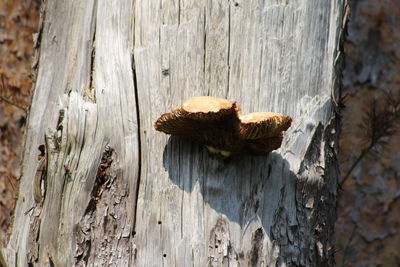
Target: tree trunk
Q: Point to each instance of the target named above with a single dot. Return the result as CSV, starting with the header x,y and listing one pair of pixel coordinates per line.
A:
x,y
110,190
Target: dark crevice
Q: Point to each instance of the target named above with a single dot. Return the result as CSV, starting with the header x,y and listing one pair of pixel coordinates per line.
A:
x,y
139,172
313,152
102,177
91,95
92,60
88,244
159,37
256,247
84,227
179,12
51,262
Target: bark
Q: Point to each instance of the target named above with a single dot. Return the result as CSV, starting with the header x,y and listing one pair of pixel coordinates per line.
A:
x,y
109,190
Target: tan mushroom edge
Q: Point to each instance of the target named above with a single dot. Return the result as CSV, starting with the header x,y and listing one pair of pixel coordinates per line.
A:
x,y
261,125
198,119
206,104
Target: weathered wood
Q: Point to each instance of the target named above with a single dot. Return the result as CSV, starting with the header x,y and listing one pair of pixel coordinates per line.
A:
x,y
251,210
85,82
101,62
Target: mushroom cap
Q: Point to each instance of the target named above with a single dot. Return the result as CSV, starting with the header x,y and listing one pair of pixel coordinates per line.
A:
x,y
262,125
206,119
203,109
207,108
206,104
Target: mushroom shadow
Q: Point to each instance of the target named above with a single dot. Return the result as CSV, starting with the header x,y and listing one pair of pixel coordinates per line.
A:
x,y
244,187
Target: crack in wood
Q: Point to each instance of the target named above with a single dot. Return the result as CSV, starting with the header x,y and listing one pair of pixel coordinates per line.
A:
x,y
139,160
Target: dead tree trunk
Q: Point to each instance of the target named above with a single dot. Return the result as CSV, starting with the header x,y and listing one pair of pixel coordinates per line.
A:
x,y
109,190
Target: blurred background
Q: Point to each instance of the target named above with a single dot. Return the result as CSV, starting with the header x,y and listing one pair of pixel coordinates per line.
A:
x,y
19,19
368,225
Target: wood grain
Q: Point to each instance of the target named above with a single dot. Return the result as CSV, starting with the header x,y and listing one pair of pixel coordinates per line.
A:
x,y
197,209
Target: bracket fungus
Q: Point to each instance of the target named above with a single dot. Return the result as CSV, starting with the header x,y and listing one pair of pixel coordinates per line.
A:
x,y
218,123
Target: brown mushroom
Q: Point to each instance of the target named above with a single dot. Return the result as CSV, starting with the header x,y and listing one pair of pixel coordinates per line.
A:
x,y
196,112
206,119
216,123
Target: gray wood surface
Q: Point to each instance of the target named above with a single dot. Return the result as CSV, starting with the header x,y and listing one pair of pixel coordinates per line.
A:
x,y
116,192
